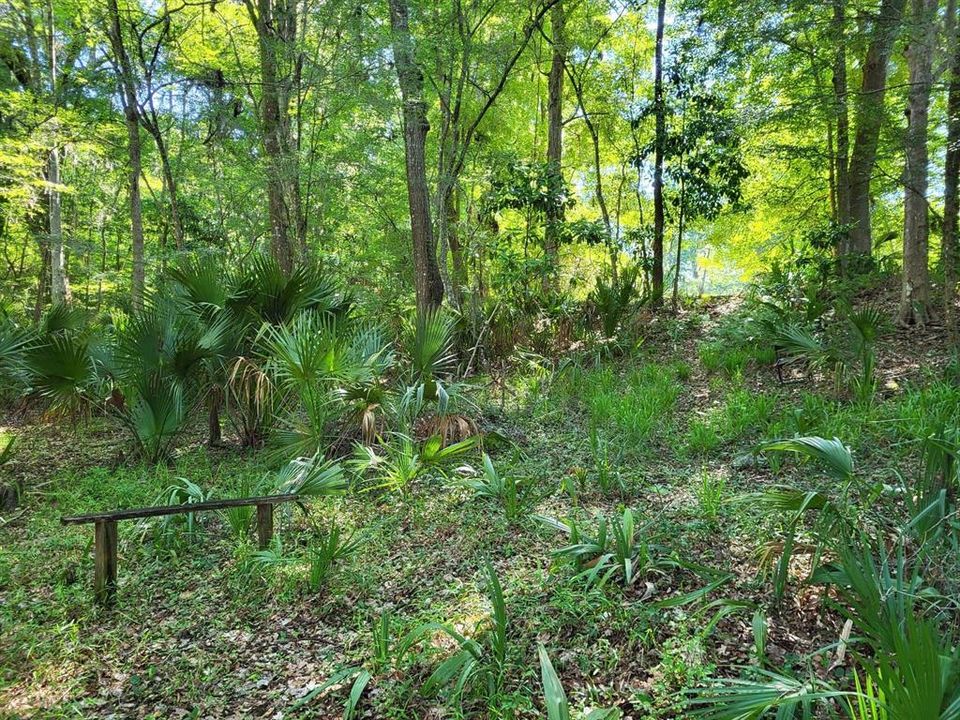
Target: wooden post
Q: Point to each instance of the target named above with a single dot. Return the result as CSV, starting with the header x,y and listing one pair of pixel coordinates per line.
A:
x,y
264,524
105,562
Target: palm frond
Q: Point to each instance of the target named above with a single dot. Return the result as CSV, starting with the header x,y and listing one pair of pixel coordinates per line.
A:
x,y
312,477
835,457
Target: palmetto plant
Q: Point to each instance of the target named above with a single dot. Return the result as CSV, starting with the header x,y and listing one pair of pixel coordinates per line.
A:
x,y
159,362
332,373
555,698
506,490
403,461
62,363
331,547
612,300
309,477
62,371
479,663
15,342
910,664
168,530
853,348
248,300
432,362
826,513
250,399
905,629
613,550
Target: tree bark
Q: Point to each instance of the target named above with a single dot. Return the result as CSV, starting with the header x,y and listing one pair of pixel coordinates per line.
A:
x,y
915,295
842,162
869,120
951,198
132,121
276,25
676,277
59,286
551,237
451,213
659,108
429,286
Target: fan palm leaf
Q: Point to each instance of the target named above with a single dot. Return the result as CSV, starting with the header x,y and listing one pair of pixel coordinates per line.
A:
x,y
833,455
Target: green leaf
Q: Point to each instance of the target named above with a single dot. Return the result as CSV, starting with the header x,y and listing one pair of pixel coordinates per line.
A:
x,y
832,454
553,694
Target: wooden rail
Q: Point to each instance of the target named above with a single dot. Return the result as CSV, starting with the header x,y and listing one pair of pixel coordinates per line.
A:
x,y
105,532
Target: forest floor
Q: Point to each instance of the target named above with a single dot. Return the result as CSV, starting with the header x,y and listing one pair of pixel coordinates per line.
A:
x,y
200,631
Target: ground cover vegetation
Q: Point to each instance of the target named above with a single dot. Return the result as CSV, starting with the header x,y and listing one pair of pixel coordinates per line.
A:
x,y
608,348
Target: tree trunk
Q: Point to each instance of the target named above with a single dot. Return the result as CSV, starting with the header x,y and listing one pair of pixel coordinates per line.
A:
x,y
951,199
842,161
869,119
59,287
131,118
451,213
915,296
429,286
551,238
276,25
680,219
659,108
169,182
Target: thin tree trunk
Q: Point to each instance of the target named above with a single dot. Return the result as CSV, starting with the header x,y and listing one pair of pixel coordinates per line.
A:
x,y
429,286
59,286
680,219
659,143
451,214
842,161
131,118
915,296
169,182
551,237
869,120
951,196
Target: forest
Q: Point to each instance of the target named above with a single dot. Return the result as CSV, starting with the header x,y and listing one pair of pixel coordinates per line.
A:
x,y
508,359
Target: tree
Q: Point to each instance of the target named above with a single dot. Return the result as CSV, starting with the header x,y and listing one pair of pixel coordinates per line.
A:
x,y
429,286
577,83
915,295
131,114
951,192
276,23
558,60
659,109
869,120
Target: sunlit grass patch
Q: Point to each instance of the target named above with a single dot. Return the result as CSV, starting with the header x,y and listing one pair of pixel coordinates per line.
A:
x,y
743,415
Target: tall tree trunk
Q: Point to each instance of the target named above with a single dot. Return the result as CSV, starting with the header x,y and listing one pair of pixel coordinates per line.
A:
x,y
842,161
869,119
276,25
59,286
660,111
131,118
951,196
429,286
551,237
915,296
